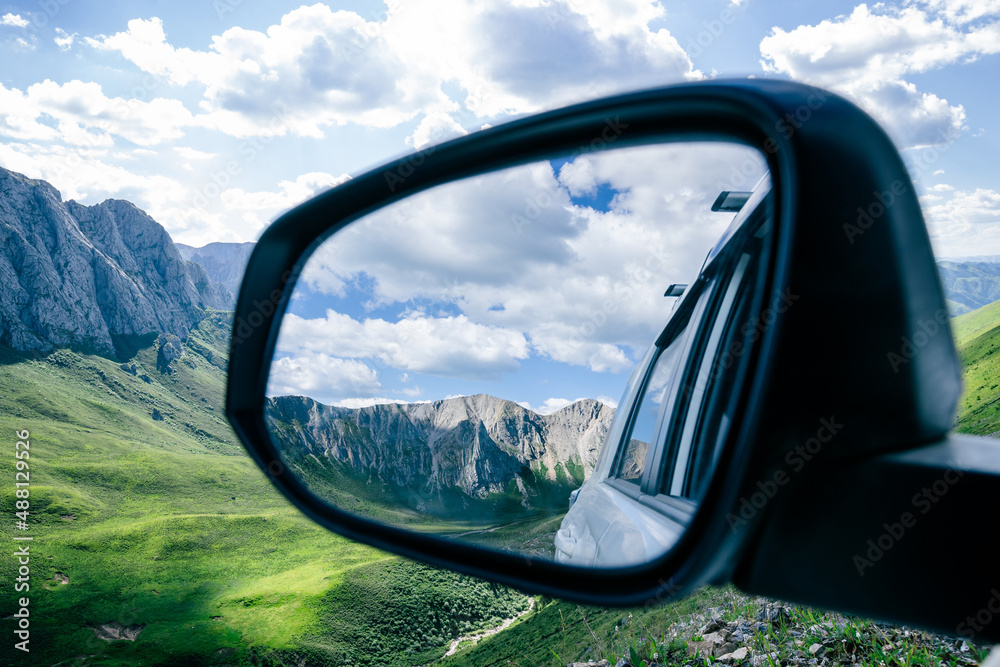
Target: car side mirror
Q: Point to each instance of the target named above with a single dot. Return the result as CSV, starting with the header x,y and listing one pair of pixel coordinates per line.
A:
x,y
766,387
413,366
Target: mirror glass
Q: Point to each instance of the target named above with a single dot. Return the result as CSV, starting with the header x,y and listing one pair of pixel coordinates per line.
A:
x,y
454,363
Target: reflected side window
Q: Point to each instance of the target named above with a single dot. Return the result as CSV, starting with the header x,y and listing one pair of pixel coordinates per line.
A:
x,y
726,371
710,400
644,423
657,397
680,477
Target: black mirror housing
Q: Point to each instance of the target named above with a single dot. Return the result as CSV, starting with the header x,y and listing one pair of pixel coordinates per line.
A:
x,y
852,348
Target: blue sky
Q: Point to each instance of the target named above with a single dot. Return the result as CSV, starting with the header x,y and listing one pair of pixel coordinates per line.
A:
x,y
217,116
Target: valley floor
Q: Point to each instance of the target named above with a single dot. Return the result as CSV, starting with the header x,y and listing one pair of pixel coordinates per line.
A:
x,y
156,541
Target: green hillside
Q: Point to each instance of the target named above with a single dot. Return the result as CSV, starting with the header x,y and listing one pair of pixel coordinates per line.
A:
x,y
977,335
975,323
147,515
145,511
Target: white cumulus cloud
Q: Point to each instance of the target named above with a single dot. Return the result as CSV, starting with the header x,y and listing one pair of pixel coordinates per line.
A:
x,y
318,67
79,113
13,20
321,376
444,346
962,222
64,40
262,206
869,54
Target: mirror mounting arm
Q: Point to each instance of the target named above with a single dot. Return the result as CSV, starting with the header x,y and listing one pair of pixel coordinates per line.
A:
x,y
832,539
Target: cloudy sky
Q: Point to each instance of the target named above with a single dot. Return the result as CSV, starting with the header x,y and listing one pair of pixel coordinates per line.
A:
x,y
216,116
540,284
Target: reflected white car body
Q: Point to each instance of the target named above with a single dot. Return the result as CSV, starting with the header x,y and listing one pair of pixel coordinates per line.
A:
x,y
609,522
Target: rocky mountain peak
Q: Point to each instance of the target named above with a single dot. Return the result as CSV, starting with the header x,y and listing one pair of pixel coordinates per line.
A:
x,y
223,263
479,444
80,275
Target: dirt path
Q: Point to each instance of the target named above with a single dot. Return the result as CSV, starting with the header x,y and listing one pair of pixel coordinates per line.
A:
x,y
486,530
486,633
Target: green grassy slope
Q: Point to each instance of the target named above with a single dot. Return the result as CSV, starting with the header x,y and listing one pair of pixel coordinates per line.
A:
x,y
559,633
396,608
977,335
556,633
166,523
975,323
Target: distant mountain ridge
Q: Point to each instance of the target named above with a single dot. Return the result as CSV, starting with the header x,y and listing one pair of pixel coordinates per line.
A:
x,y
77,275
479,444
968,284
223,262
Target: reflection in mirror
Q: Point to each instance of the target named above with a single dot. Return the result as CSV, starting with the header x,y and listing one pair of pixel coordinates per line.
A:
x,y
452,363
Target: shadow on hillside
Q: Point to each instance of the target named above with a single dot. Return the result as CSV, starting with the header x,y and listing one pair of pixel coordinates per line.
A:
x,y
129,345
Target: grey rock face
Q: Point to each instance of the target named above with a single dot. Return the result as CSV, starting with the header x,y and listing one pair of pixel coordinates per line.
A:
x,y
476,443
211,290
77,275
223,263
169,349
115,631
